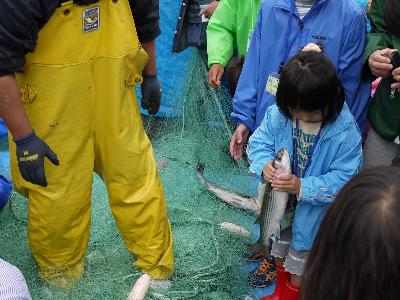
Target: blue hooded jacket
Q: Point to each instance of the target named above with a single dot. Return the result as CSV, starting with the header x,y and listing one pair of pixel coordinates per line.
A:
x,y
336,159
338,25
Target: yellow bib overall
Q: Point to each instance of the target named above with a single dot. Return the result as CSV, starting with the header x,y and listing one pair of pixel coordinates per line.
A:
x,y
77,89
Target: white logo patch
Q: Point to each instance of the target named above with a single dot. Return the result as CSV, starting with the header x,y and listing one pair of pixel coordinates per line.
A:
x,y
91,19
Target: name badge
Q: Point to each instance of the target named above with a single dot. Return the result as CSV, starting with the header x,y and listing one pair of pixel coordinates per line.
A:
x,y
272,84
91,19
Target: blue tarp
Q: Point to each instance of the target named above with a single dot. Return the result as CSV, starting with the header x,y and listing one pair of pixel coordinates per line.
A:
x,y
171,66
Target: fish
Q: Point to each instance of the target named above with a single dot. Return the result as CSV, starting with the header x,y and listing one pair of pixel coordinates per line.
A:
x,y
269,206
274,202
235,229
140,288
249,204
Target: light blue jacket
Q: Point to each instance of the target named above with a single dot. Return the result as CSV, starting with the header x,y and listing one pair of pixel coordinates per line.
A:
x,y
339,25
337,157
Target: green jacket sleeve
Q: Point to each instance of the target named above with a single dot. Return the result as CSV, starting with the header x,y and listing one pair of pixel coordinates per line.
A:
x,y
221,33
379,38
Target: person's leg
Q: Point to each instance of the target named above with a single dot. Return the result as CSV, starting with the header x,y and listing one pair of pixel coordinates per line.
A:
x,y
378,151
125,161
294,264
280,249
59,214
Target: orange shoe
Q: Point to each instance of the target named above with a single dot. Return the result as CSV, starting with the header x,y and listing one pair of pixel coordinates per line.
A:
x,y
282,278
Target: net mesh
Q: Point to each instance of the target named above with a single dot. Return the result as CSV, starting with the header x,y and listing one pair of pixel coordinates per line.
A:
x,y
209,262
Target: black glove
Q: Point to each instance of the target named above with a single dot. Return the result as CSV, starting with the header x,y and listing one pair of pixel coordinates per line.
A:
x,y
31,151
151,93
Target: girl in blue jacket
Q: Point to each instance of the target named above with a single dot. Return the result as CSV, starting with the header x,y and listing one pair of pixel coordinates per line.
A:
x,y
312,121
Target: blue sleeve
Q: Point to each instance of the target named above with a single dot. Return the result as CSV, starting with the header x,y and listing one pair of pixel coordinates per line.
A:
x,y
245,99
350,65
261,145
321,190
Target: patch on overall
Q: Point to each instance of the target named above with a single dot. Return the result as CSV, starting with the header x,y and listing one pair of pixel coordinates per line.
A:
x,y
91,19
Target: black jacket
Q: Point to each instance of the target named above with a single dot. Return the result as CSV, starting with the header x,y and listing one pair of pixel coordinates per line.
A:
x,y
21,20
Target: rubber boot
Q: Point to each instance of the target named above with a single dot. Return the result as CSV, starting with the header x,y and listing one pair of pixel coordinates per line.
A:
x,y
290,292
282,278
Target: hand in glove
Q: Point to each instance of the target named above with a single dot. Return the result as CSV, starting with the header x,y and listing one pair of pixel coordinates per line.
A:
x,y
151,93
31,152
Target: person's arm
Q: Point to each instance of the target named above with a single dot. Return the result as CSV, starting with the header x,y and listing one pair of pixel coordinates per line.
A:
x,y
209,10
146,17
378,42
11,108
245,99
321,190
151,66
350,65
20,22
261,145
221,30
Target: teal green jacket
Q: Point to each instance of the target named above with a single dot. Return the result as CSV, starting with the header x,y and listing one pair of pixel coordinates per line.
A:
x,y
383,112
229,29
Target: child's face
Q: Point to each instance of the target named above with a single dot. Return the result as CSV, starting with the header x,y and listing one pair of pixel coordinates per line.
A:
x,y
307,116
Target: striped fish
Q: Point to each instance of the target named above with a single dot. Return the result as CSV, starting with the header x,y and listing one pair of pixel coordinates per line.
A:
x,y
274,203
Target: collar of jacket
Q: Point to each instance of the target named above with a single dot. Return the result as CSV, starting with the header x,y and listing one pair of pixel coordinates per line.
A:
x,y
287,4
343,121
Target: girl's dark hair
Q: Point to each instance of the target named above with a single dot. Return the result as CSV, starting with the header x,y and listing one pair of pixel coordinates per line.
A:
x,y
356,254
392,16
308,81
233,70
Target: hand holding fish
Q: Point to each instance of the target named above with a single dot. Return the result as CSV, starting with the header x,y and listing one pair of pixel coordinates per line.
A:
x,y
268,172
287,183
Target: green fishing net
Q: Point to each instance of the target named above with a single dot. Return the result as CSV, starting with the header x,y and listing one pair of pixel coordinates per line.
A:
x,y
209,262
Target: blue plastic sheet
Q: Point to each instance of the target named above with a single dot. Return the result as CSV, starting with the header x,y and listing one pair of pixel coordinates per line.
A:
x,y
171,66
3,128
5,191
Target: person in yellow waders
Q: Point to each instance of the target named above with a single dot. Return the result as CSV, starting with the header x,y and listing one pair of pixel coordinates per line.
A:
x,y
77,93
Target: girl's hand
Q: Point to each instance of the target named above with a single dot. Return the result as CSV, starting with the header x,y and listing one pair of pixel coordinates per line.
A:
x,y
287,183
268,172
379,62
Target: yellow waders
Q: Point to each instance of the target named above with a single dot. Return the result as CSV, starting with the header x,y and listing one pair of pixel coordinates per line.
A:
x,y
78,94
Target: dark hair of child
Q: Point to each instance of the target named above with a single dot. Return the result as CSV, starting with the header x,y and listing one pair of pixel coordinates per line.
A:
x,y
356,254
392,16
308,82
233,70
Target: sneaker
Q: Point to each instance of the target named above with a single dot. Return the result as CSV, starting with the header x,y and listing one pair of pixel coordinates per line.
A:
x,y
264,275
255,252
253,256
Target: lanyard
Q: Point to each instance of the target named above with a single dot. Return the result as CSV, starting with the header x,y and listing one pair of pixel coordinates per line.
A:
x,y
310,153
